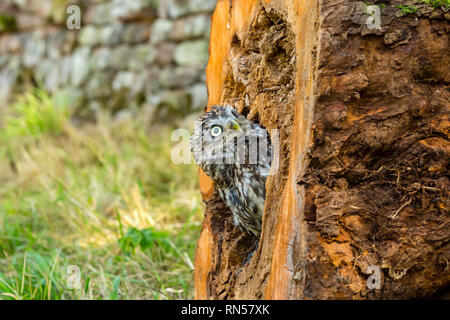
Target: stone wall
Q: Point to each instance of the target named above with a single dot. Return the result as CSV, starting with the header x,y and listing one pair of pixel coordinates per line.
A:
x,y
127,54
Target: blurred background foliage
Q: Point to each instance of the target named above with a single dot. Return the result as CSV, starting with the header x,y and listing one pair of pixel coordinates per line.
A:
x,y
86,175
103,196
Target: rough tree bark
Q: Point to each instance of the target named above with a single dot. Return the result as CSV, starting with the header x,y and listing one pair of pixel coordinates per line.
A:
x,y
363,116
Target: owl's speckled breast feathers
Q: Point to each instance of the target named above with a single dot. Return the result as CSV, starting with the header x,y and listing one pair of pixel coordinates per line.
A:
x,y
236,154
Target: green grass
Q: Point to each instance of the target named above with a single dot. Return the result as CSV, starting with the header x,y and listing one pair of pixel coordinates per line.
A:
x,y
34,114
405,9
411,9
103,197
7,22
437,3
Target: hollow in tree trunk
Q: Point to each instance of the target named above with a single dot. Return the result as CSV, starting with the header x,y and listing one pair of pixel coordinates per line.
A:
x,y
363,119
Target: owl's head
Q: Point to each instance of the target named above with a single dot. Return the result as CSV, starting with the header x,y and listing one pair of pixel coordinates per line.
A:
x,y
216,136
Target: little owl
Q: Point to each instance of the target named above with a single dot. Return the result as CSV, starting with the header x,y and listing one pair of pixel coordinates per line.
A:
x,y
236,154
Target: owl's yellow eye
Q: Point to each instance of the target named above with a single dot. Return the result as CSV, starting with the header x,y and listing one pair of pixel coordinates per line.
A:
x,y
216,131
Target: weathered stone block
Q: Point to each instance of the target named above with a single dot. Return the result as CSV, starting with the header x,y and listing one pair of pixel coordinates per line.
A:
x,y
99,85
123,80
80,65
47,74
199,96
191,27
10,43
25,21
3,60
130,10
120,57
161,30
89,35
169,103
111,34
120,54
164,53
115,58
34,49
178,8
8,79
137,33
99,14
141,56
101,58
60,43
192,53
179,76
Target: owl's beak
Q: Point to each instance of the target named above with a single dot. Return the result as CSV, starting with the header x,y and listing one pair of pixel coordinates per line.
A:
x,y
235,125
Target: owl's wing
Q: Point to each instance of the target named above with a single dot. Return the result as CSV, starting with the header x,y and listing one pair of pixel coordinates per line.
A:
x,y
265,152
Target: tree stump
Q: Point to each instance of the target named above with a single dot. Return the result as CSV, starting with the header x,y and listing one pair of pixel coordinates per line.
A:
x,y
363,181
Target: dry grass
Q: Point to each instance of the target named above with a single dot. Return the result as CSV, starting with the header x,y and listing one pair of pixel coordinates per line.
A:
x,y
105,197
